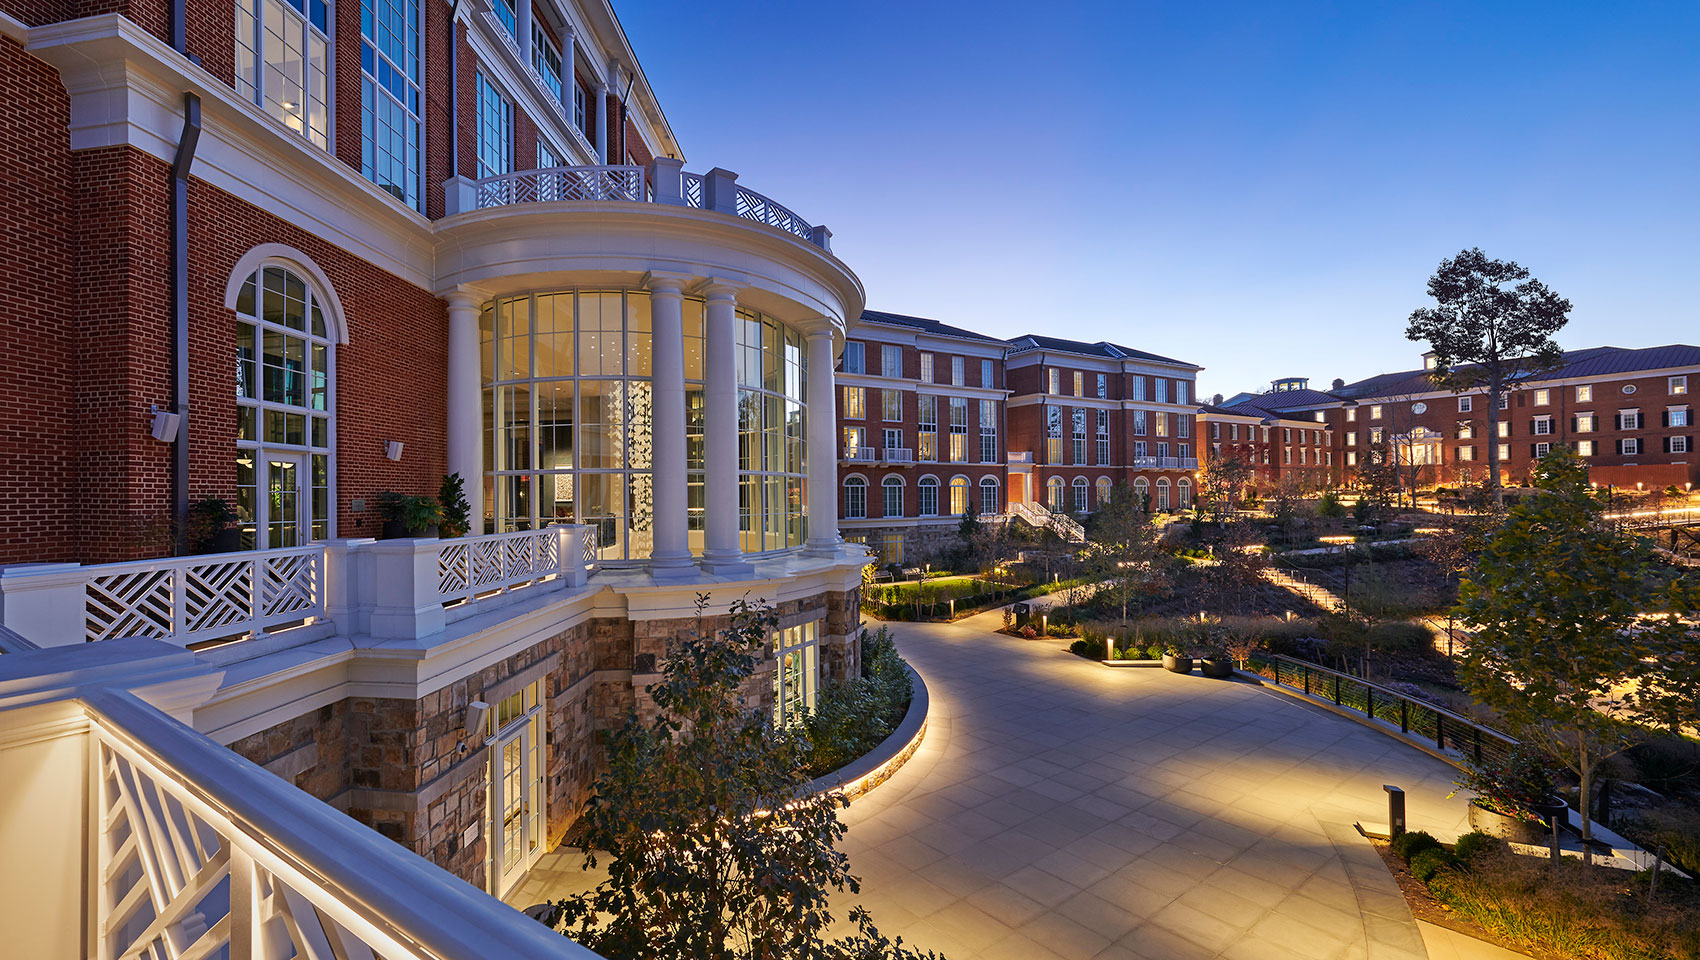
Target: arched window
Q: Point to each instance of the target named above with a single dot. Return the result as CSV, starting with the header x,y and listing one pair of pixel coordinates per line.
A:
x,y
1055,492
958,496
892,488
1141,493
929,487
1162,493
1081,489
989,504
1103,492
1183,493
855,498
286,410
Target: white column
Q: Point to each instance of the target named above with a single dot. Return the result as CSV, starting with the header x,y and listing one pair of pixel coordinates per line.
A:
x,y
822,419
522,30
722,553
671,555
601,105
466,403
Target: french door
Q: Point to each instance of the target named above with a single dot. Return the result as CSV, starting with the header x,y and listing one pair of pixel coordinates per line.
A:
x,y
516,801
284,519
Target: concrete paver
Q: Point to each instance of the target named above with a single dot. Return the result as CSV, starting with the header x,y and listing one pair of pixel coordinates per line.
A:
x,y
1061,808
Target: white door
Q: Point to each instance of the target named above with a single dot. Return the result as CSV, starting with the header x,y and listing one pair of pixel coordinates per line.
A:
x,y
284,508
516,801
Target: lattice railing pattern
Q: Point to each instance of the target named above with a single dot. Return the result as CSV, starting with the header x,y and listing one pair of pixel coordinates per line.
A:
x,y
563,183
691,189
754,206
190,599
172,883
469,566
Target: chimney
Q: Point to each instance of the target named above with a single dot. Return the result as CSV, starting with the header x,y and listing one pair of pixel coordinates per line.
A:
x,y
1216,400
1339,384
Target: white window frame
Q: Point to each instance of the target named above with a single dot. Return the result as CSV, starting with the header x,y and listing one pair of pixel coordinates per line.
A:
x,y
261,77
855,504
1679,385
1465,404
495,129
801,642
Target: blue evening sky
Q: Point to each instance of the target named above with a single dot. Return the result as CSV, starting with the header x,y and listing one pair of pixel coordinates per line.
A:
x,y
1261,188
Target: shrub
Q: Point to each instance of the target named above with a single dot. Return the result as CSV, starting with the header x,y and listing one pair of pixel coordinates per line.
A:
x,y
1672,828
1475,845
1154,652
1400,637
1081,648
1121,653
852,717
1412,842
1426,864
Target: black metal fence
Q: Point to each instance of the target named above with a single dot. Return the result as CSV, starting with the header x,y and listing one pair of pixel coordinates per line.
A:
x,y
1452,734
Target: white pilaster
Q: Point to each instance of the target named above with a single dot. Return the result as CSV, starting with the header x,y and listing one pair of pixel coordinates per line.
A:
x,y
822,454
601,93
466,403
722,552
671,554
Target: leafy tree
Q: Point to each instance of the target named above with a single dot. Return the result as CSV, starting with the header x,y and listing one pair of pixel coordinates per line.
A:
x,y
711,853
1220,482
1578,636
1492,327
1378,482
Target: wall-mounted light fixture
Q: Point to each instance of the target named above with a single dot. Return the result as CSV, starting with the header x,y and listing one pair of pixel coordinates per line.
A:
x,y
166,424
392,449
475,712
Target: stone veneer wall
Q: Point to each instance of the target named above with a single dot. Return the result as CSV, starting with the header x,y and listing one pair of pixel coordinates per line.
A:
x,y
398,765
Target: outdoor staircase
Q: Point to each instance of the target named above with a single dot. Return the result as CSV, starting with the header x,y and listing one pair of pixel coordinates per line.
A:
x,y
1036,515
1320,596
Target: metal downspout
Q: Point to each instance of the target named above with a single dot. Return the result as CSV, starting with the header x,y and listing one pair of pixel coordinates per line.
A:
x,y
180,307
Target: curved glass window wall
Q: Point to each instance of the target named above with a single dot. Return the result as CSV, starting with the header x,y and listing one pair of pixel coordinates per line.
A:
x,y
567,420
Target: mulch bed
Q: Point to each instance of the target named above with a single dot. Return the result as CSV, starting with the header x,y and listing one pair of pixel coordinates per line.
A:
x,y
1425,907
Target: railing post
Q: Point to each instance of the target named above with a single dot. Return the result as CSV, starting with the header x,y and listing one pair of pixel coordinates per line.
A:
x,y
821,237
1336,689
1439,730
664,177
44,603
1404,716
1307,679
460,195
720,191
1369,701
403,589
1477,731
569,544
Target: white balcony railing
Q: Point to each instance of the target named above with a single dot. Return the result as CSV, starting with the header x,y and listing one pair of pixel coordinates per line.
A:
x,y
389,588
897,455
166,844
859,454
664,181
1019,456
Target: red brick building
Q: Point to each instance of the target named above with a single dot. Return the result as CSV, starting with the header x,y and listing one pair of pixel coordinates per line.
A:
x,y
921,414
294,255
1091,416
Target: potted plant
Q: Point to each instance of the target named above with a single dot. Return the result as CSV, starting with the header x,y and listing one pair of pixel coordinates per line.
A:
x,y
1514,799
212,526
1176,661
407,516
451,497
1216,664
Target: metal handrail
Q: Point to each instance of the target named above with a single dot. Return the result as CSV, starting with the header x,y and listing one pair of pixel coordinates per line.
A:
x,y
1452,733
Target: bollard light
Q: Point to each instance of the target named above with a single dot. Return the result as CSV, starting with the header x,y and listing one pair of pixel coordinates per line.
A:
x,y
1395,811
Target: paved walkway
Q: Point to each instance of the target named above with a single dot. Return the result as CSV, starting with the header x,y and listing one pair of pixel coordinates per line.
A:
x,y
1059,808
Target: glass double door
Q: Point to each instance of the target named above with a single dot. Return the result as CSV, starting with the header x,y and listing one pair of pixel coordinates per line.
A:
x,y
273,499
516,801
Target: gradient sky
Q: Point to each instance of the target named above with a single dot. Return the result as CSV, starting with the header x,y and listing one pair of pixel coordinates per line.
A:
x,y
1260,188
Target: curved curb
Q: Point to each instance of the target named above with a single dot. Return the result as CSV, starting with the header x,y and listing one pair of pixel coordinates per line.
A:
x,y
877,765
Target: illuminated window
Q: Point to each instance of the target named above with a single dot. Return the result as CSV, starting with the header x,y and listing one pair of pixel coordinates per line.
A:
x,y
796,681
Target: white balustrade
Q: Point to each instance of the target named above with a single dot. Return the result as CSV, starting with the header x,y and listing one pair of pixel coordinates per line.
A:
x,y
859,454
200,853
897,455
390,588
716,190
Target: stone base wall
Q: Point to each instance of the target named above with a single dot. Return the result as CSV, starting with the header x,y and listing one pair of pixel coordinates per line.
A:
x,y
409,769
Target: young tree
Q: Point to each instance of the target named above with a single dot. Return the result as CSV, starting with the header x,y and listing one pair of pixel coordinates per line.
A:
x,y
1491,326
1378,482
711,853
1578,630
1122,555
1220,482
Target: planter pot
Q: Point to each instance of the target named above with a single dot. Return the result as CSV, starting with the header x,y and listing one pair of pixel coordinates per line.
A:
x,y
397,530
1514,829
1175,664
227,540
1216,669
